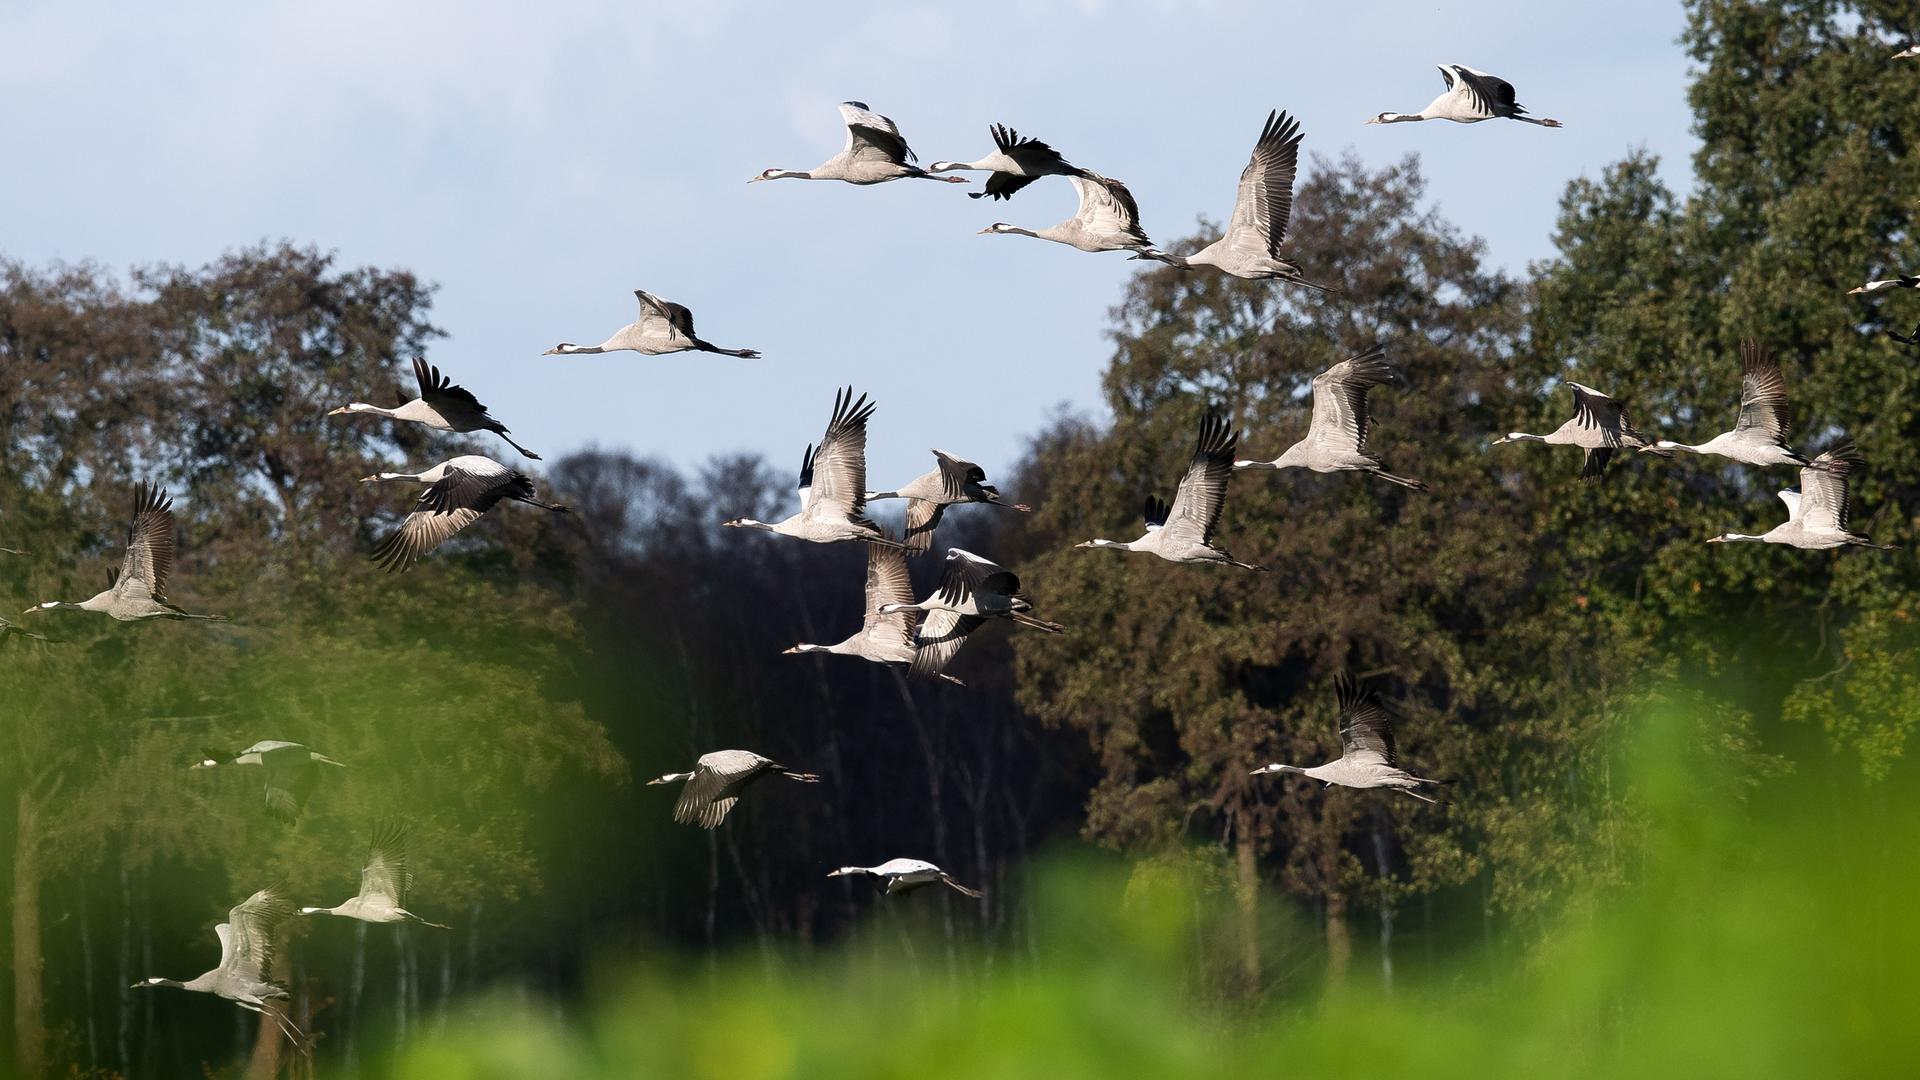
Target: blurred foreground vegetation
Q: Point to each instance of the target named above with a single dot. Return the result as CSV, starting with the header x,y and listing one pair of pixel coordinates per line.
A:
x,y
1768,933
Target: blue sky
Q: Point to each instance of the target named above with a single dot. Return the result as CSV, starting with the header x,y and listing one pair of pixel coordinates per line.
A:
x,y
539,162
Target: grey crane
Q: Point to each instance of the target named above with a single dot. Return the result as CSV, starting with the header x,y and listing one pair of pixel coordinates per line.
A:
x,y
290,772
442,406
1599,426
138,590
905,875
1014,163
663,327
1183,532
1337,435
954,480
1817,512
716,782
1107,219
971,585
459,490
833,483
875,153
1250,248
1904,281
1760,435
1368,757
385,880
1470,97
245,973
882,638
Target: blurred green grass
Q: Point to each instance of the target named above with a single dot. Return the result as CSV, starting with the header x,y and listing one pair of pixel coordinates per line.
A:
x,y
1767,933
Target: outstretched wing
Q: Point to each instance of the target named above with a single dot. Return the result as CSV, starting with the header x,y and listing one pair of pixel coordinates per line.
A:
x,y
1491,94
663,319
387,875
1598,412
1763,395
870,135
246,938
1203,490
704,801
1265,202
1107,207
940,639
1340,416
1366,728
888,583
968,575
1035,158
839,466
956,473
149,559
456,501
437,389
1823,488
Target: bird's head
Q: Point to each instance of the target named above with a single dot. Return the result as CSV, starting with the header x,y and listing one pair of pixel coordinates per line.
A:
x,y
313,911
1721,539
997,227
153,982
50,605
1267,769
670,778
561,349
846,870
1507,438
1380,118
772,174
801,648
204,763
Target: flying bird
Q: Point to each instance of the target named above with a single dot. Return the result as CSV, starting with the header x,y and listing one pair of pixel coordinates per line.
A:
x,y
1250,248
833,483
385,880
1599,426
1337,435
138,590
716,781
1906,339
1907,53
290,772
1107,219
1904,281
442,406
663,327
953,481
1817,512
1183,532
245,973
1760,435
874,154
459,490
1368,758
1014,163
882,638
905,875
1471,96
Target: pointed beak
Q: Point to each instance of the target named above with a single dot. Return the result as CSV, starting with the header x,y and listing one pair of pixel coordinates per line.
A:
x,y
1500,440
790,652
342,410
1854,292
1716,539
1085,543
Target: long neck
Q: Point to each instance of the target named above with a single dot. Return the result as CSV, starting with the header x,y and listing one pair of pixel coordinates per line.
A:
x,y
1405,118
1731,537
793,174
956,166
750,523
1118,545
363,407
806,647
388,477
1522,436
674,777
567,348
1018,231
1665,444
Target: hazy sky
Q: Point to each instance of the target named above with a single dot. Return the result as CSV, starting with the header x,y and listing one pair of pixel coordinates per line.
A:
x,y
539,162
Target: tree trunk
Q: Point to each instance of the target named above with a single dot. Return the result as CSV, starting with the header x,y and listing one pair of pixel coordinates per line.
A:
x,y
1246,895
29,1031
1339,939
1382,872
265,1062
356,983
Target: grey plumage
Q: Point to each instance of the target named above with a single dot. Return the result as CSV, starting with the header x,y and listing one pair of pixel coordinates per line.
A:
x,y
1368,757
884,637
905,875
1250,247
1760,435
875,153
833,483
716,782
289,772
1817,514
386,880
245,972
137,592
663,327
1183,532
1107,219
954,480
441,405
459,490
1014,163
1599,426
1470,97
1337,435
